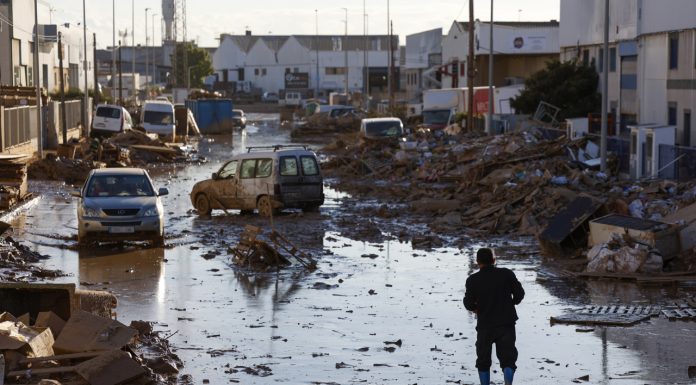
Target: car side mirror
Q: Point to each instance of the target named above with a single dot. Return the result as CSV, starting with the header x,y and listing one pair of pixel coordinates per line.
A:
x,y
76,194
163,191
215,176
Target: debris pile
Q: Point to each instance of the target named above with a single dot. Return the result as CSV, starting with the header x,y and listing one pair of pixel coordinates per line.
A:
x,y
258,255
13,181
129,149
624,255
18,263
322,125
514,183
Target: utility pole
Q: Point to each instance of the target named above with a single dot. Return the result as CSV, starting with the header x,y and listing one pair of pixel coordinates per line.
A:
x,y
364,55
489,121
85,109
389,56
63,116
135,92
367,65
154,60
113,46
37,82
316,47
392,67
345,54
97,94
147,56
605,89
470,71
120,76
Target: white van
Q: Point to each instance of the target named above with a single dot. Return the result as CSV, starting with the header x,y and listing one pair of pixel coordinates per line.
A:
x,y
265,178
109,119
158,118
293,99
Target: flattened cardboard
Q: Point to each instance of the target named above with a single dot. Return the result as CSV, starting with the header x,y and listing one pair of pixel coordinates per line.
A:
x,y
111,368
85,332
33,341
49,319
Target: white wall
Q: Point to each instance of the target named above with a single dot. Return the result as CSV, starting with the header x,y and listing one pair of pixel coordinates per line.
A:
x,y
667,15
582,21
652,79
535,40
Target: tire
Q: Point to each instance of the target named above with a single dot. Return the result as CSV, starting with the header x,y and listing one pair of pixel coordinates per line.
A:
x,y
203,205
246,212
311,209
265,206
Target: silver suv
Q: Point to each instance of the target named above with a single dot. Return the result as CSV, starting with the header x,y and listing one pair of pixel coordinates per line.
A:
x,y
119,204
265,178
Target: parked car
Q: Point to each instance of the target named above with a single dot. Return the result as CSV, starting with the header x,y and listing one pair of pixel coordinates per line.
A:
x,y
335,111
119,204
293,99
239,119
265,178
381,128
269,97
158,117
109,119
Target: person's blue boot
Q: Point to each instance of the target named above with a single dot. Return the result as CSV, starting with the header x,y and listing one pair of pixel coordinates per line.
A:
x,y
508,374
485,378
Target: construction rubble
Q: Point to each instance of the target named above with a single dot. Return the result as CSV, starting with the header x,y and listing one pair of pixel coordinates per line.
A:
x,y
322,125
518,183
258,255
13,180
56,342
129,149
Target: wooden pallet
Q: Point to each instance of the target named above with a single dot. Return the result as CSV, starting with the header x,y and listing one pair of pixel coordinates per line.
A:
x,y
610,315
680,314
652,311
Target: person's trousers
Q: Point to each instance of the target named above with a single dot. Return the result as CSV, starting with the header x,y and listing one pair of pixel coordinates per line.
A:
x,y
504,339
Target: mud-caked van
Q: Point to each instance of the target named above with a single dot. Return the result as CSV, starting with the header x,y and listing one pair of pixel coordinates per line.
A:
x,y
267,179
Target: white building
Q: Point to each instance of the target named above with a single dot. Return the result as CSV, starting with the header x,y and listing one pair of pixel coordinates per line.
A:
x,y
422,60
652,57
17,45
266,60
520,49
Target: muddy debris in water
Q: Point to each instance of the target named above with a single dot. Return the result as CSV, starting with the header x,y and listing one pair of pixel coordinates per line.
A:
x,y
18,263
258,255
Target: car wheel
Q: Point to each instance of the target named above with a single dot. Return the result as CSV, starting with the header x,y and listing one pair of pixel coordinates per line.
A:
x,y
246,212
203,205
311,209
265,206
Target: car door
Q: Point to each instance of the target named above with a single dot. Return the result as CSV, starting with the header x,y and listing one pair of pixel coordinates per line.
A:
x,y
226,185
312,182
246,188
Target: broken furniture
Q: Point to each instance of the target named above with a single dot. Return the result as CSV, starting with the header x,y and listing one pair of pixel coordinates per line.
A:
x,y
568,229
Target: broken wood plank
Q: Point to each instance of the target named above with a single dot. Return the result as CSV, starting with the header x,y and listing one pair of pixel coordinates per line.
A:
x,y
59,357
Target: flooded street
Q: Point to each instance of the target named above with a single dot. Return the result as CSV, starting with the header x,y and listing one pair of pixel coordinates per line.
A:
x,y
340,324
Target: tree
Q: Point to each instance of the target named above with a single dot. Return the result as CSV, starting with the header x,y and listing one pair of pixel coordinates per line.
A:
x,y
196,58
568,86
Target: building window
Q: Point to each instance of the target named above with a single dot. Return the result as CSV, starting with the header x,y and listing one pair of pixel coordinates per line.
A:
x,y
673,51
263,72
295,70
601,60
337,43
335,70
672,113
256,71
287,70
612,59
376,44
240,74
586,57
687,128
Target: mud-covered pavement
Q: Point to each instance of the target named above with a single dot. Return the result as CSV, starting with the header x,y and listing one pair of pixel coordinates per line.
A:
x,y
342,323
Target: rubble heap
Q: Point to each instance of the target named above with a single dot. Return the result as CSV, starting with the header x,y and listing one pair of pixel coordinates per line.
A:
x,y
323,125
13,181
491,185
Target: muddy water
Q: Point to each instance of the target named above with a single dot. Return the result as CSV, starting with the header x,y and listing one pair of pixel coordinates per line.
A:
x,y
331,326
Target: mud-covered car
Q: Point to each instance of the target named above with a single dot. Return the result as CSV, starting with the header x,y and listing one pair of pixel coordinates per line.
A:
x,y
239,118
267,179
118,204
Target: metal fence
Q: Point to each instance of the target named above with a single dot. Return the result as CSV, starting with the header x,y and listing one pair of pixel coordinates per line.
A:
x,y
73,113
677,162
18,126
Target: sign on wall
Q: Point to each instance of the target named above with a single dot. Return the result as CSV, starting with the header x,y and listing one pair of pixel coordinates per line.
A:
x,y
297,80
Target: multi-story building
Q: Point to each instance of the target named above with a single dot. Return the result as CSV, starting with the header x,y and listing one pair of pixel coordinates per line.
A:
x,y
652,58
422,59
519,50
319,62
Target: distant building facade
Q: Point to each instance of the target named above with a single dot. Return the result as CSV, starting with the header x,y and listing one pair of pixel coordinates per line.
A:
x,y
519,50
305,62
652,58
421,63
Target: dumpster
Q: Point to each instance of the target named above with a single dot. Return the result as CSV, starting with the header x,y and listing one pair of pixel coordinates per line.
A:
x,y
214,116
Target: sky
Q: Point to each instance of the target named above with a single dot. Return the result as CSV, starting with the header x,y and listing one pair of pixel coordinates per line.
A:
x,y
207,19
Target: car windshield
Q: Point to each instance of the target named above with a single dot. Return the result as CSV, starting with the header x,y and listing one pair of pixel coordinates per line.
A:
x,y
236,113
383,129
104,186
436,117
158,117
108,112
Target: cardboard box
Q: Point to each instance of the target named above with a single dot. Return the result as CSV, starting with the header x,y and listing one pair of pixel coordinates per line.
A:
x,y
32,341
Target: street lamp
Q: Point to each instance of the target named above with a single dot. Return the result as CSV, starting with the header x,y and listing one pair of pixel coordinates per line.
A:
x,y
113,41
85,117
133,51
37,83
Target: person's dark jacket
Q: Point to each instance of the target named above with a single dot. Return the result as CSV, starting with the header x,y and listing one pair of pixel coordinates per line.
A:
x,y
492,293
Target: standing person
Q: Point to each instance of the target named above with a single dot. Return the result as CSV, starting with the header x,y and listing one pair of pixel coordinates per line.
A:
x,y
492,294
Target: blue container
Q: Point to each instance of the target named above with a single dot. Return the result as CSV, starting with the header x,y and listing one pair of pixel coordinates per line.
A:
x,y
213,116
